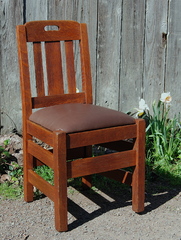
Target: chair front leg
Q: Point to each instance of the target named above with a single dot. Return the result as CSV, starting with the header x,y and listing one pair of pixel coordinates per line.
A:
x,y
138,180
60,181
27,164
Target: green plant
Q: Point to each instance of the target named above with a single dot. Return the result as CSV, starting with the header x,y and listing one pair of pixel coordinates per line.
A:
x,y
11,185
163,137
46,173
16,173
8,165
4,155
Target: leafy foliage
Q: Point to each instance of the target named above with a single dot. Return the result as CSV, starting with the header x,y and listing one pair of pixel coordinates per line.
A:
x,y
46,173
163,140
163,135
4,155
11,186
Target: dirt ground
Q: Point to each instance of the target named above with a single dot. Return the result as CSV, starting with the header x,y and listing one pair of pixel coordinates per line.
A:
x,y
100,215
103,214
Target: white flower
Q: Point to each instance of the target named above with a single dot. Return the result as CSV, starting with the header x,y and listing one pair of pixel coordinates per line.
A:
x,y
143,105
139,113
166,97
77,90
142,108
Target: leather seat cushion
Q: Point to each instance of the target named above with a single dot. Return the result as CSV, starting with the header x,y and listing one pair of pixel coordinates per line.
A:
x,y
77,117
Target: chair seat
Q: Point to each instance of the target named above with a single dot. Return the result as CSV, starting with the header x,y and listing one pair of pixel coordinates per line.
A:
x,y
77,117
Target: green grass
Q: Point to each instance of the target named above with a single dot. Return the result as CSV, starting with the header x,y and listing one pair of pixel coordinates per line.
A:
x,y
169,173
10,191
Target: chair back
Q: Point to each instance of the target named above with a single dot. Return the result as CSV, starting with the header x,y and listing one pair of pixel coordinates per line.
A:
x,y
54,61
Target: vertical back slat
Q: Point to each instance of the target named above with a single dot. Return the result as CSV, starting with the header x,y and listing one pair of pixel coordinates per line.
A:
x,y
38,69
54,68
70,66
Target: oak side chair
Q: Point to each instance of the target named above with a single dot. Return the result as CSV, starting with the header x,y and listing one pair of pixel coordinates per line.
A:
x,y
55,113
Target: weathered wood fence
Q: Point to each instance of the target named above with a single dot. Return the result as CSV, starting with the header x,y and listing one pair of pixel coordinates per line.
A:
x,y
135,50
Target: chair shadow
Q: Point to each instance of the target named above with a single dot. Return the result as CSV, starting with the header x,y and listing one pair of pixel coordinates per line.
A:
x,y
158,194
154,198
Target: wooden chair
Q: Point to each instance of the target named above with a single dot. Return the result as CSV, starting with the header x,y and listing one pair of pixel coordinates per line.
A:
x,y
65,119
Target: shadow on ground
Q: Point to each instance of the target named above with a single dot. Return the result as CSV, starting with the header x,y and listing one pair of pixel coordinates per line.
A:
x,y
157,194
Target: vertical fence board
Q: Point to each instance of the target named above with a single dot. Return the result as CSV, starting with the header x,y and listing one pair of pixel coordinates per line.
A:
x,y
108,53
132,47
130,55
1,15
36,10
154,60
173,69
11,15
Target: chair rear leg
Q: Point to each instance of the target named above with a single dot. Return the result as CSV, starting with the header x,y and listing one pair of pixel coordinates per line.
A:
x,y
138,180
87,180
60,181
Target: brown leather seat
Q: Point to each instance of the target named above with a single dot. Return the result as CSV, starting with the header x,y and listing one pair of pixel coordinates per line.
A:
x,y
77,117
